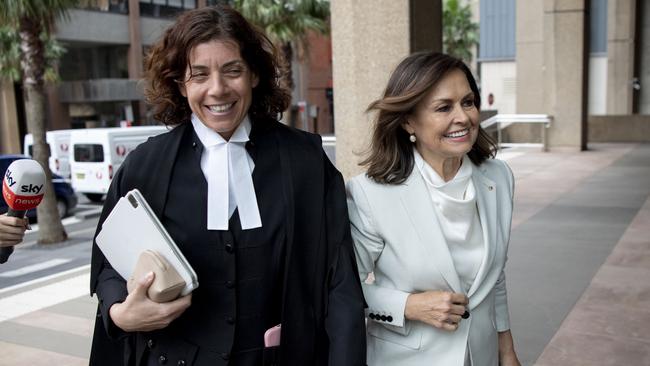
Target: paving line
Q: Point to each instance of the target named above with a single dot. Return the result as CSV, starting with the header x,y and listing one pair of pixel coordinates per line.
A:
x,y
70,234
88,205
35,267
45,291
92,228
42,297
67,221
52,277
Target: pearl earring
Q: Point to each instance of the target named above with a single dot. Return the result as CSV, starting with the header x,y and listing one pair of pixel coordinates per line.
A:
x,y
412,138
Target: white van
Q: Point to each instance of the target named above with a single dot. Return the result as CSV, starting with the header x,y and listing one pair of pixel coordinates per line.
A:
x,y
97,153
59,141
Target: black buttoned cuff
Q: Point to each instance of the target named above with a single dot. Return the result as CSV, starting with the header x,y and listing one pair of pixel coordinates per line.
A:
x,y
380,317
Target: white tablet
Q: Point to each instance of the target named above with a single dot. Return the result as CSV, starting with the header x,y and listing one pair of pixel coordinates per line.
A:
x,y
131,228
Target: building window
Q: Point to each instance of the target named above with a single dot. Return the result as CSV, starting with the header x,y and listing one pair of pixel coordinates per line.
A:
x,y
111,6
165,8
497,30
598,27
96,62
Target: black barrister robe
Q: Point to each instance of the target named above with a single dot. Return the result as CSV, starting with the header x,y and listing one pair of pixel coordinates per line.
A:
x,y
322,303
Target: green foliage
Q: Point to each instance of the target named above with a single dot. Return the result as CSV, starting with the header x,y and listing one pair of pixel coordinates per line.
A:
x,y
40,15
54,50
46,11
10,54
287,21
460,34
30,52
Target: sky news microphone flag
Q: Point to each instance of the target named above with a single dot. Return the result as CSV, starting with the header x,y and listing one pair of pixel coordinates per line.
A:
x,y
23,188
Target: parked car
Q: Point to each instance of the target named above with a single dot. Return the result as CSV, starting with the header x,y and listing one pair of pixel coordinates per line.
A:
x,y
66,199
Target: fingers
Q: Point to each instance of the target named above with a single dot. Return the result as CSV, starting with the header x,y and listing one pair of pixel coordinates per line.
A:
x,y
457,309
12,230
462,301
139,313
454,303
168,312
181,303
175,308
146,281
441,309
459,299
9,239
8,243
447,321
453,319
445,325
446,310
187,299
143,285
449,326
11,221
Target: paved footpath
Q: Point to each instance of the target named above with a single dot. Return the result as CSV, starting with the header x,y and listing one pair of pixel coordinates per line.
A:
x,y
578,272
579,261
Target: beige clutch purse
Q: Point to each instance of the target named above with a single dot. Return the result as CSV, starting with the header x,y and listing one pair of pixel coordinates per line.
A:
x,y
167,283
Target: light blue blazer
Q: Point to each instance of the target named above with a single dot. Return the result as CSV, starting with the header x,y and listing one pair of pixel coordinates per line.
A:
x,y
397,236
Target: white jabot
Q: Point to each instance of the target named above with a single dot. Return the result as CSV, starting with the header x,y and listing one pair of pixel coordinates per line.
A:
x,y
455,205
228,171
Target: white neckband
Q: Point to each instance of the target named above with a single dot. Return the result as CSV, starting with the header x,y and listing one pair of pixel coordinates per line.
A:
x,y
228,172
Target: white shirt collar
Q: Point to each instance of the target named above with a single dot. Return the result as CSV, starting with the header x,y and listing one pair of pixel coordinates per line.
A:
x,y
209,137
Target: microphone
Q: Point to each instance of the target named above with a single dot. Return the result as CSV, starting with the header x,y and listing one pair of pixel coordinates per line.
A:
x,y
23,188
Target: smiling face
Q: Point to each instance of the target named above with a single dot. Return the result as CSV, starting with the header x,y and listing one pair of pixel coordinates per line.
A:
x,y
445,122
219,85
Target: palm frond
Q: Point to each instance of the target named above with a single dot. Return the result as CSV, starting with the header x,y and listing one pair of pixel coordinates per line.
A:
x,y
46,11
9,53
286,20
10,66
460,33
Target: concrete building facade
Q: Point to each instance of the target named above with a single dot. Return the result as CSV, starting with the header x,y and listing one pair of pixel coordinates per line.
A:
x,y
582,62
369,38
574,60
101,71
570,59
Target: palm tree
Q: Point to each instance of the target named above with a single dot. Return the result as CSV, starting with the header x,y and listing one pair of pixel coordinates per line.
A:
x,y
460,34
33,21
287,23
10,55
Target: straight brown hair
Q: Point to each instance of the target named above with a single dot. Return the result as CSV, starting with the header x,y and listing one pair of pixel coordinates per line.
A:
x,y
390,155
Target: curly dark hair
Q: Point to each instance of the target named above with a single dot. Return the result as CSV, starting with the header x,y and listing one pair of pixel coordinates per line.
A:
x,y
167,61
390,159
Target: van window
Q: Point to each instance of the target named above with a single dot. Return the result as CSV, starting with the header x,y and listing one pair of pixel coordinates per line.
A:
x,y
89,153
30,150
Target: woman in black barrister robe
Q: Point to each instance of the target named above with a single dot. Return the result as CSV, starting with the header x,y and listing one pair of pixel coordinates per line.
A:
x,y
256,208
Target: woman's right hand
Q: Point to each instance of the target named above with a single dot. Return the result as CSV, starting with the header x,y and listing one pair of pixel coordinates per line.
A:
x,y
441,309
140,314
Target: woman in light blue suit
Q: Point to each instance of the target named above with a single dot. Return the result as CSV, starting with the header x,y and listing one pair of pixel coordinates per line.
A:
x,y
431,220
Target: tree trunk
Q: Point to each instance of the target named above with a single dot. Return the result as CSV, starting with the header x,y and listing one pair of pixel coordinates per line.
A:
x,y
32,61
287,54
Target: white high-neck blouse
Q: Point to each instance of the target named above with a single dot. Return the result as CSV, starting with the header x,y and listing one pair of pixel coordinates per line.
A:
x,y
455,205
